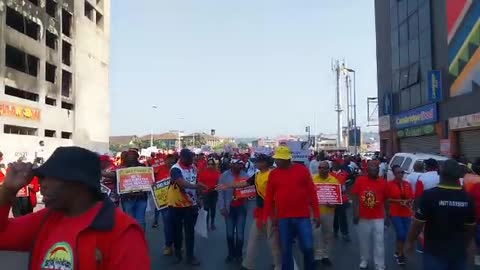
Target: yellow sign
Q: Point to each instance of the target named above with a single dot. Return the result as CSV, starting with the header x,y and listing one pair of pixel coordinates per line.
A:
x,y
160,192
19,111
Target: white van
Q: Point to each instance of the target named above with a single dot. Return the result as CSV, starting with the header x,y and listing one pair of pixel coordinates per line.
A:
x,y
407,160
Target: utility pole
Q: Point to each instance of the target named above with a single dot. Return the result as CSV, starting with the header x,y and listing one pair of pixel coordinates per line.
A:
x,y
338,106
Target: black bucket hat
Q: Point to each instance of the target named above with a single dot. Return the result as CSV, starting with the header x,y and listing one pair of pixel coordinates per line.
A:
x,y
73,164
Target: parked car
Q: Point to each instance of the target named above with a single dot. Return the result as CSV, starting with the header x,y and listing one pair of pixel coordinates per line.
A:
x,y
407,160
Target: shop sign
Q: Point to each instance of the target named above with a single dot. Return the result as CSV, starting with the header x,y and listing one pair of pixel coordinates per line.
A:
x,y
434,85
445,147
464,121
19,111
384,123
420,116
416,131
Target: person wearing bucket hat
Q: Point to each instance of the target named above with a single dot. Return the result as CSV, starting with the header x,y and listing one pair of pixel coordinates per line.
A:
x,y
290,199
77,221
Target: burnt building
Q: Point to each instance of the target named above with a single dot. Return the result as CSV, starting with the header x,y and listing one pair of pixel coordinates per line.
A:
x,y
54,63
428,69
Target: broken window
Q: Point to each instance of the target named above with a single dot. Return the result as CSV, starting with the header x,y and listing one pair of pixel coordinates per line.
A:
x,y
66,53
50,101
66,83
11,91
66,135
50,72
21,61
51,8
99,19
50,133
66,23
19,130
67,106
51,40
23,25
89,11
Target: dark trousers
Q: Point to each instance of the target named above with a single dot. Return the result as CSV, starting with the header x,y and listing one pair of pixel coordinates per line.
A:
x,y
184,220
210,205
288,229
22,206
235,222
340,221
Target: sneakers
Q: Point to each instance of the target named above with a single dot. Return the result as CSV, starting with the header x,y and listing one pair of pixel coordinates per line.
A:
x,y
401,260
167,251
363,265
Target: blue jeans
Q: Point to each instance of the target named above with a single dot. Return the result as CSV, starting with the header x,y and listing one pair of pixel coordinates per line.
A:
x,y
136,208
431,262
167,225
289,228
235,223
402,226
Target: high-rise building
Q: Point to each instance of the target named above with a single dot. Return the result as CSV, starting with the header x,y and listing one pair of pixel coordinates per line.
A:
x,y
428,66
54,76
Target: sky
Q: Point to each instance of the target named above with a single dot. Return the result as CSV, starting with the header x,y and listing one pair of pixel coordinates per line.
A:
x,y
246,68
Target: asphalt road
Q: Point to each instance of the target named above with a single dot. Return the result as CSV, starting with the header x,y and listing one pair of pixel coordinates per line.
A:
x,y
212,252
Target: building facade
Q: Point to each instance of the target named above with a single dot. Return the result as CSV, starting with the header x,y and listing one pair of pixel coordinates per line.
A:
x,y
428,76
54,75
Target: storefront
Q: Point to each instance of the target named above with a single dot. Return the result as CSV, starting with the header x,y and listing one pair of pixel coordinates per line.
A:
x,y
386,140
416,130
466,130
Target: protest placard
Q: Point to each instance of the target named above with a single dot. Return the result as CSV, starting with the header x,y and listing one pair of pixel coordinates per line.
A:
x,y
329,193
23,192
300,151
159,193
105,189
134,179
245,192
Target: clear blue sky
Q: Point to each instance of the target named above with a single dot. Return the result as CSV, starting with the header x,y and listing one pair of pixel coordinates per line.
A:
x,y
244,68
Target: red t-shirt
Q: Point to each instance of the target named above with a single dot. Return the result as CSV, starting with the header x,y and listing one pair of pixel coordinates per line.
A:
x,y
372,194
201,165
400,191
342,178
293,193
209,177
162,172
57,244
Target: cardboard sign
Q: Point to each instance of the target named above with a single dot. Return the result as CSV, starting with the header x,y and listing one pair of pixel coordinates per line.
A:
x,y
160,192
24,192
134,179
246,192
300,151
105,189
329,193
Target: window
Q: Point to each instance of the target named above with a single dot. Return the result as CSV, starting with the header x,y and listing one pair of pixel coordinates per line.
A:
x,y
415,96
412,6
425,45
51,40
404,78
424,17
11,91
404,61
398,160
66,83
403,33
51,8
16,21
394,39
66,53
396,81
67,106
21,61
50,72
50,101
66,23
413,26
50,133
413,74
404,100
402,10
99,19
66,135
19,130
394,16
89,11
413,51
395,59
406,164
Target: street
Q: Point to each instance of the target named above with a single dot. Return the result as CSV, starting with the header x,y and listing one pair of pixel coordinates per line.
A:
x,y
212,252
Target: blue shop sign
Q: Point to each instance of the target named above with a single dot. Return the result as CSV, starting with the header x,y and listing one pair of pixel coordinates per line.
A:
x,y
434,85
427,114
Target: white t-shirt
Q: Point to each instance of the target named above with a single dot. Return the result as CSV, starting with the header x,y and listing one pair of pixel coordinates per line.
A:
x,y
413,178
430,180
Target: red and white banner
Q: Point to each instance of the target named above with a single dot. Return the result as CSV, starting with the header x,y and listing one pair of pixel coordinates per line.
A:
x,y
329,193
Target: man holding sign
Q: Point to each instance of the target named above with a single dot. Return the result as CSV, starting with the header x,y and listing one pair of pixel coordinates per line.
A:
x,y
323,236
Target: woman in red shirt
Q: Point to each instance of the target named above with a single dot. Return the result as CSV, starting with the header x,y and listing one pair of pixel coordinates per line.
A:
x,y
210,177
400,196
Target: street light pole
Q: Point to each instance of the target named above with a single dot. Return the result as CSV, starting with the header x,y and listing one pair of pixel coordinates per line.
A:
x,y
154,107
354,125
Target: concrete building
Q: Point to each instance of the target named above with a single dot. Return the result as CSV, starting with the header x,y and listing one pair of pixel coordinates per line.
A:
x,y
428,66
54,75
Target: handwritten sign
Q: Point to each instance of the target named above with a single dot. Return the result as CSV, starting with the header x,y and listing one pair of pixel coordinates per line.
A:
x,y
24,192
134,179
159,193
329,193
105,189
246,192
